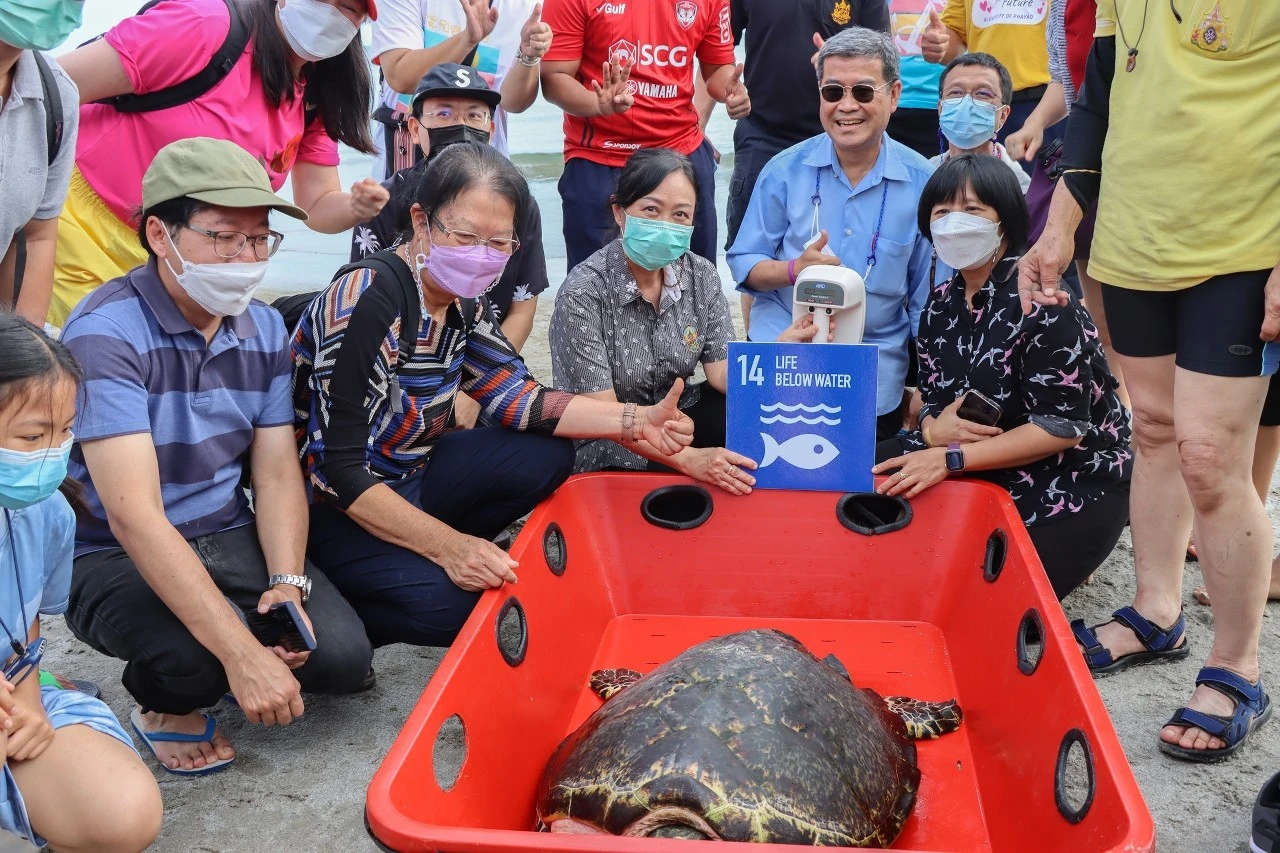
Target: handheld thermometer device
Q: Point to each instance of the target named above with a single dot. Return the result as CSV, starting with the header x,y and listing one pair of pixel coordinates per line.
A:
x,y
832,292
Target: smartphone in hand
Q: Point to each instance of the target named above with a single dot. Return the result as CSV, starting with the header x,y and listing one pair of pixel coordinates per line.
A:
x,y
980,408
281,625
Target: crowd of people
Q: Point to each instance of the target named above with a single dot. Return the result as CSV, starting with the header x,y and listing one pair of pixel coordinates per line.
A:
x,y
1041,222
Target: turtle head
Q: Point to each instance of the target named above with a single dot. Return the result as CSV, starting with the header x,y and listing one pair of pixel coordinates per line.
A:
x,y
609,682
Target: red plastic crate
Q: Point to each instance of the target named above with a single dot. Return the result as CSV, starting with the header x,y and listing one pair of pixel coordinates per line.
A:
x,y
915,611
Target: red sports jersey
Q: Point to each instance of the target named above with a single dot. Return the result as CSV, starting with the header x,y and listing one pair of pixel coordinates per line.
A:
x,y
660,39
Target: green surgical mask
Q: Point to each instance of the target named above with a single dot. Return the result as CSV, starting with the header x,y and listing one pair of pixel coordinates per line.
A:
x,y
39,24
653,243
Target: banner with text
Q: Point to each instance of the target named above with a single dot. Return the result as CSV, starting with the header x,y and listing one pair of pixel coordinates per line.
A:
x,y
806,413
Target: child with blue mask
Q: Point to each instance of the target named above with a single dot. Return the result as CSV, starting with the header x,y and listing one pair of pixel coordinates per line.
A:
x,y
110,801
975,92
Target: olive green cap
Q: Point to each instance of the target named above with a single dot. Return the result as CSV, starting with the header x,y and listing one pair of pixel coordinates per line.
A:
x,y
214,171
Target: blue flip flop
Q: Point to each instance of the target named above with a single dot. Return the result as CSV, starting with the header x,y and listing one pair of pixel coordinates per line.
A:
x,y
152,738
1161,643
1253,708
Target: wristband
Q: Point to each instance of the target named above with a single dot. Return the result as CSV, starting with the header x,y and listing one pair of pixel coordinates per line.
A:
x,y
791,270
527,61
628,423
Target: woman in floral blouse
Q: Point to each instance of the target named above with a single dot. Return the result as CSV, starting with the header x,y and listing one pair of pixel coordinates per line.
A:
x,y
1060,445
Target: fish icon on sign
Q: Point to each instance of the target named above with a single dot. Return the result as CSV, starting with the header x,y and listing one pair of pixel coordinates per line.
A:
x,y
807,451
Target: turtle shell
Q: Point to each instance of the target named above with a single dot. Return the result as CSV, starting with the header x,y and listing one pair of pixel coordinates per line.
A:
x,y
745,737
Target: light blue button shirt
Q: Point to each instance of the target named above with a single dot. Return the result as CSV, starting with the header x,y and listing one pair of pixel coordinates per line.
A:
x,y
779,220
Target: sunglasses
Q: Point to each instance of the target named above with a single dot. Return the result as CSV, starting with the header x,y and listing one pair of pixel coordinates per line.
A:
x,y
863,93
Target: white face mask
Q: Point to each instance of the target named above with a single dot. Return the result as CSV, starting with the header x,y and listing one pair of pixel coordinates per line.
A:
x,y
964,241
223,290
316,30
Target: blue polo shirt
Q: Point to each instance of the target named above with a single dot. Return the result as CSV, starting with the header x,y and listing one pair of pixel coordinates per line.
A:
x,y
148,370
779,220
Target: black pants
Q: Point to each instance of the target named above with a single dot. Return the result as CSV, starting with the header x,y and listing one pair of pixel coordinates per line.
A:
x,y
753,148
115,610
586,187
477,481
708,416
917,129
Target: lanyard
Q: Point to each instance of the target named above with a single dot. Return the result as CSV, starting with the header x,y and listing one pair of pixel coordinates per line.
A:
x,y
18,648
875,235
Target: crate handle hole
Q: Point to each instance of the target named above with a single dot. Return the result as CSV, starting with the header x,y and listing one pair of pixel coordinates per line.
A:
x,y
1074,780
997,551
1030,642
512,629
677,507
449,752
554,549
868,513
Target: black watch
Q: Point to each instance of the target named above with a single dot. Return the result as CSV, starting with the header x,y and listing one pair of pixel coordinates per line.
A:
x,y
955,457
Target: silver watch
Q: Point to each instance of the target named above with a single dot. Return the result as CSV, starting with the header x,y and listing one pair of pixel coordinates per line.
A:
x,y
302,582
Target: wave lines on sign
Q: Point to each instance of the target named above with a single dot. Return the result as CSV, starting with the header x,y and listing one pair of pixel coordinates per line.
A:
x,y
801,407
800,419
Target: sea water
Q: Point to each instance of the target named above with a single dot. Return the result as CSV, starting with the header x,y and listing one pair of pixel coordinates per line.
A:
x,y
307,260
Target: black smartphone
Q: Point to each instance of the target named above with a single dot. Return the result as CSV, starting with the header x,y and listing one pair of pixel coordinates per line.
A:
x,y
282,626
980,408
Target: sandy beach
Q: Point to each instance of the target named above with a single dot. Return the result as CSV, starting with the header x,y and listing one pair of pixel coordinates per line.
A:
x,y
302,788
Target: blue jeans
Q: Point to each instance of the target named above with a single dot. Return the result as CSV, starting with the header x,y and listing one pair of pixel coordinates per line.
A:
x,y
477,481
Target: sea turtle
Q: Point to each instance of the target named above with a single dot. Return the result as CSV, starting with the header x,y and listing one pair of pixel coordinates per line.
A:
x,y
744,737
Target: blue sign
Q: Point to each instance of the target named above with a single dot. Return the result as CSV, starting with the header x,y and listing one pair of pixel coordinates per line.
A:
x,y
806,413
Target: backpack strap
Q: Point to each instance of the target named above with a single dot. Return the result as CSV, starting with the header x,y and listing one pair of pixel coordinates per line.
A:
x,y
219,66
53,116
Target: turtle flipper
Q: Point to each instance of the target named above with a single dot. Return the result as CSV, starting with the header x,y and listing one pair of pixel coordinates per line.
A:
x,y
840,669
609,682
926,720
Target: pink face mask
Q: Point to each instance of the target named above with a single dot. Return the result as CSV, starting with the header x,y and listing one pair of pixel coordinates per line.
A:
x,y
464,271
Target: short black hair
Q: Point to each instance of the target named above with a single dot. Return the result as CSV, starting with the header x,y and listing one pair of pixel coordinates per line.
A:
x,y
172,212
463,165
982,60
646,169
993,183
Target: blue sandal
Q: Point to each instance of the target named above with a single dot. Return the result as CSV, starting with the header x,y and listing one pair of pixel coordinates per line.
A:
x,y
1161,643
1253,708
152,738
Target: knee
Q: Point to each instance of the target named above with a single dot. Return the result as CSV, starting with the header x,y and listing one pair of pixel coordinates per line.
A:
x,y
127,818
340,663
1206,469
1152,430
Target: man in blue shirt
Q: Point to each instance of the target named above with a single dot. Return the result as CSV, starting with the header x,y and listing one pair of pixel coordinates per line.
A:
x,y
856,191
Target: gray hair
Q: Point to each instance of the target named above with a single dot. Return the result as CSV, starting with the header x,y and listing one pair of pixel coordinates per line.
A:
x,y
861,42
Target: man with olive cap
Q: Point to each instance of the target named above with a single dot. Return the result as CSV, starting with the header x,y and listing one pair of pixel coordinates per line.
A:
x,y
187,385
454,104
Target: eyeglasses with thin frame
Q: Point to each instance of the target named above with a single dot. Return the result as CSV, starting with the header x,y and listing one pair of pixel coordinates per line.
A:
x,y
476,118
510,245
229,244
981,94
863,93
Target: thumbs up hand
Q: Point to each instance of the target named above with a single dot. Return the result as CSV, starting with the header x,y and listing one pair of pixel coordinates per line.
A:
x,y
935,39
737,102
535,35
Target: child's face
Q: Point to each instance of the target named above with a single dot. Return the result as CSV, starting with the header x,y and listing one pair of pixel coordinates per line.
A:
x,y
39,419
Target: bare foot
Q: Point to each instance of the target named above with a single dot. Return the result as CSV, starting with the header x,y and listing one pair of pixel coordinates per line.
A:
x,y
1201,595
186,756
1208,701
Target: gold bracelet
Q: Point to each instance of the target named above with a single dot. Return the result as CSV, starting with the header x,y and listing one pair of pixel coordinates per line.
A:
x,y
924,431
628,423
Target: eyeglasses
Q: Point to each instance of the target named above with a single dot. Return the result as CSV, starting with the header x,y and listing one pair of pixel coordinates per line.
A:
x,y
476,118
983,95
467,238
229,244
27,662
863,93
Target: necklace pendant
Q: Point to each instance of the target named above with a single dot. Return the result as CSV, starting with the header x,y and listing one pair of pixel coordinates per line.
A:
x,y
1132,61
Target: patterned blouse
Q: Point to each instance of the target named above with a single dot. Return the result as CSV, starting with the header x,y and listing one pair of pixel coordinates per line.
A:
x,y
606,336
1046,368
355,430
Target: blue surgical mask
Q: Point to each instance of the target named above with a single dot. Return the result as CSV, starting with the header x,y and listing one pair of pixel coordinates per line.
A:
x,y
28,478
39,24
967,123
653,243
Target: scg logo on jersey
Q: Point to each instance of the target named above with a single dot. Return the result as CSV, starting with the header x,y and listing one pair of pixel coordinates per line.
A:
x,y
660,55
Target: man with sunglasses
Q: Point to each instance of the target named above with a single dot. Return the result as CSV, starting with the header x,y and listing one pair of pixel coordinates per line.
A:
x,y
845,197
187,384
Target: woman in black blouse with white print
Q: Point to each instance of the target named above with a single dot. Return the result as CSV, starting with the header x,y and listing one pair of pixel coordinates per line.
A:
x,y
1061,443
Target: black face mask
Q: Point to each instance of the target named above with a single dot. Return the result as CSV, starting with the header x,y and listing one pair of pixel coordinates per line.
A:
x,y
442,137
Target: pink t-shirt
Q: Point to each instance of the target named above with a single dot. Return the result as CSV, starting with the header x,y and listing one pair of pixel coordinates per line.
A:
x,y
169,44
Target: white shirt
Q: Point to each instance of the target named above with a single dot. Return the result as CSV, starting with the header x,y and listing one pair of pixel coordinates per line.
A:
x,y
416,24
1024,180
